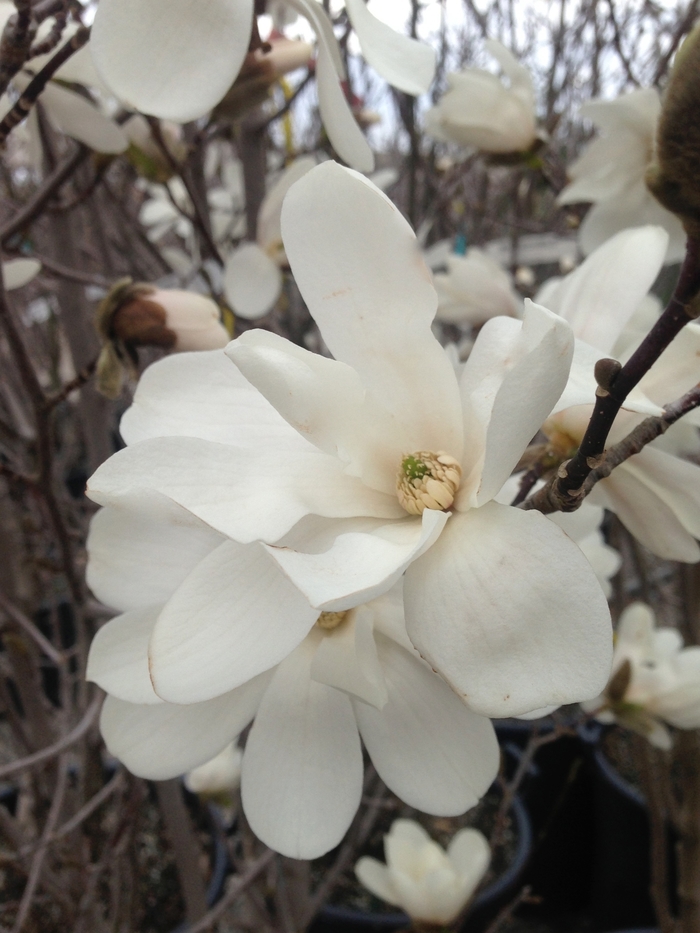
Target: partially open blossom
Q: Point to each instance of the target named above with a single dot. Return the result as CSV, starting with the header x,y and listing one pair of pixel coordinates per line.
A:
x,y
655,681
320,483
612,169
198,57
479,110
140,315
219,776
432,885
473,289
655,494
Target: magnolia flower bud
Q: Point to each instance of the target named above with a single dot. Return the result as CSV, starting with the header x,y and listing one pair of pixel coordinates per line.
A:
x,y
674,178
144,153
140,315
431,885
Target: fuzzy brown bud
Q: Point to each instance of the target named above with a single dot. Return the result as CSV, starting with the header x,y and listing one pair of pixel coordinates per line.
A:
x,y
674,177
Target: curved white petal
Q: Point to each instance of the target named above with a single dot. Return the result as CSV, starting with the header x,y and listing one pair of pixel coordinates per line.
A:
x,y
118,658
508,610
141,548
470,854
163,741
19,272
359,565
359,268
171,58
608,217
248,495
75,116
347,659
269,229
302,767
510,383
374,875
405,63
252,282
235,616
427,746
200,394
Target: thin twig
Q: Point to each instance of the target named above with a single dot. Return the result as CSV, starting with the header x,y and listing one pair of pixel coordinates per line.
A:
x,y
236,886
45,754
28,626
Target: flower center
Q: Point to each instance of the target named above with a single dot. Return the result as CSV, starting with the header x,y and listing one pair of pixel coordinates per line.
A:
x,y
331,620
428,480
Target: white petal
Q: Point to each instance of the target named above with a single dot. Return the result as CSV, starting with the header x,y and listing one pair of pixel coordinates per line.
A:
x,y
200,395
470,854
375,876
78,118
608,217
511,381
427,746
360,566
19,272
171,58
676,482
508,610
359,268
118,659
235,616
252,282
248,495
405,63
347,660
302,768
142,548
162,741
269,234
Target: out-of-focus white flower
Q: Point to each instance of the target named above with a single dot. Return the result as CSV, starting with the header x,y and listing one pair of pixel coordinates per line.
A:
x,y
655,680
480,111
220,775
379,463
610,173
431,885
474,289
199,56
19,272
655,494
68,112
315,682
252,277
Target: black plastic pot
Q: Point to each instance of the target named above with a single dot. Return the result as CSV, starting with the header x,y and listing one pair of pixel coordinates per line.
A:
x,y
344,920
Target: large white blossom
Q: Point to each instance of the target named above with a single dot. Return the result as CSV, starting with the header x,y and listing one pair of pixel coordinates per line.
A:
x,y
177,59
314,682
655,494
432,885
610,173
660,682
357,469
479,110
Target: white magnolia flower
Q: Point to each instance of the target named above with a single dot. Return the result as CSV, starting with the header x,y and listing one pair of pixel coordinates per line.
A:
x,y
655,494
181,70
610,173
474,289
219,775
655,680
431,885
314,682
480,111
19,272
252,277
66,111
377,463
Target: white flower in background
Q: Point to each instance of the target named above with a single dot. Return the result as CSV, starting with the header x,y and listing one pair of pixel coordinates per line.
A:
x,y
431,885
201,52
610,173
378,463
314,682
473,289
19,272
252,276
480,111
656,495
655,680
66,111
220,775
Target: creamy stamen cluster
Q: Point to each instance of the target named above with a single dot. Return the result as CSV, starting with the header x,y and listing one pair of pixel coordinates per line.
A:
x,y
331,620
428,480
